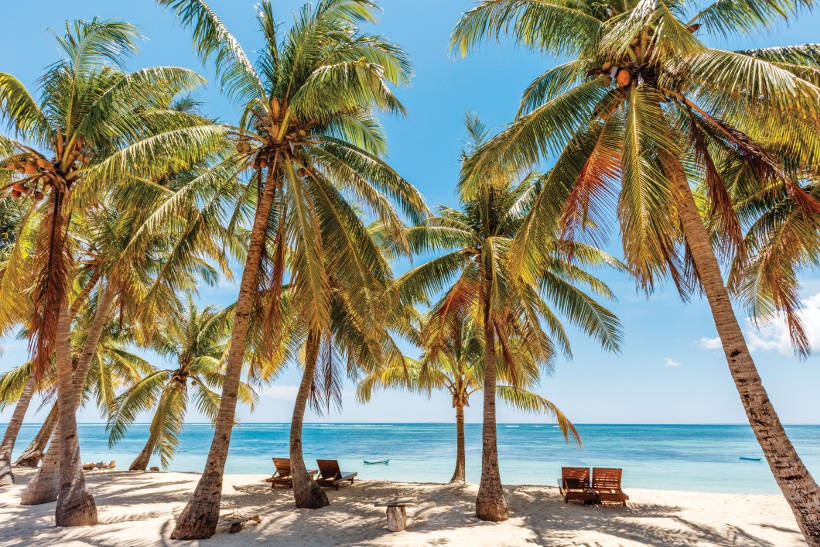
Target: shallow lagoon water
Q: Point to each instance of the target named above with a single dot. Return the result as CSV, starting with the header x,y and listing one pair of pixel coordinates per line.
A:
x,y
675,457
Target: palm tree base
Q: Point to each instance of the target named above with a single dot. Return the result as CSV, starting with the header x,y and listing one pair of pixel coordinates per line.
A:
x,y
45,485
79,510
312,497
197,521
491,507
6,475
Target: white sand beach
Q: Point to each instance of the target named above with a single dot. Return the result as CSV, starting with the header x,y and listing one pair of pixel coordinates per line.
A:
x,y
139,509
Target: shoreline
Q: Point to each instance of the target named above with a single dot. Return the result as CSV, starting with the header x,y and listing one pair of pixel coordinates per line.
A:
x,y
137,508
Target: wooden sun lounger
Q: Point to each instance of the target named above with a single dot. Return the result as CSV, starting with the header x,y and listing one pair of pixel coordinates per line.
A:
x,y
282,476
574,485
331,475
606,482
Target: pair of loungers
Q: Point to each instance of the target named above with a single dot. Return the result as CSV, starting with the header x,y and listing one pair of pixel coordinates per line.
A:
x,y
574,485
329,473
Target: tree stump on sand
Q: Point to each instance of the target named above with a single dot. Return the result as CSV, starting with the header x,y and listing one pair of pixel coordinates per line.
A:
x,y
396,513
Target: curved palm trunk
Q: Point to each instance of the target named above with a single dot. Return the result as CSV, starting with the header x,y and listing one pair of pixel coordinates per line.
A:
x,y
490,503
36,449
798,486
75,506
140,463
45,484
306,493
42,487
12,429
458,474
200,516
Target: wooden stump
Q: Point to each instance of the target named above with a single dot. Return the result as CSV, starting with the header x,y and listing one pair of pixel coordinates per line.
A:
x,y
396,518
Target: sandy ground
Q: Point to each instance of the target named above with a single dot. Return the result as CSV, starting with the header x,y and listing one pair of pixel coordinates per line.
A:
x,y
139,509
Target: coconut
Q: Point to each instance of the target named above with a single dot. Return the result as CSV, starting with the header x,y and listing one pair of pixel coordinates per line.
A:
x,y
624,78
44,164
243,147
18,187
30,168
38,195
15,193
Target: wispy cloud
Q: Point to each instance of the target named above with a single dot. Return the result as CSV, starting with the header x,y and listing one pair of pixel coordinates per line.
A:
x,y
286,393
773,335
669,362
710,343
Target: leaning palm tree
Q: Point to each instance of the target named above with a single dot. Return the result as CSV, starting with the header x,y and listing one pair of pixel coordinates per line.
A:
x,y
195,340
309,139
643,110
92,125
458,369
509,310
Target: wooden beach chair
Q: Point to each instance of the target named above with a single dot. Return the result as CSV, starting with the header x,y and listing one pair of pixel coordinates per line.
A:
x,y
574,485
606,482
282,476
331,475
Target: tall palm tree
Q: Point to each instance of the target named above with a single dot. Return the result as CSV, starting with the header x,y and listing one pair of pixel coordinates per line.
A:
x,y
309,137
195,340
458,369
510,310
643,110
93,124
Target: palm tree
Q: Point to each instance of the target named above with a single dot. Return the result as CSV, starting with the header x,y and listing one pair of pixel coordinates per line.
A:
x,y
195,339
87,131
113,367
458,369
309,137
641,111
509,310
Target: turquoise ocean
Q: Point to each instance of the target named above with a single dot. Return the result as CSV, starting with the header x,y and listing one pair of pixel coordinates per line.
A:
x,y
675,457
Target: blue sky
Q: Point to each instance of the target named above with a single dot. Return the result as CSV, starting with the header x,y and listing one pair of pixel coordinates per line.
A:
x,y
669,371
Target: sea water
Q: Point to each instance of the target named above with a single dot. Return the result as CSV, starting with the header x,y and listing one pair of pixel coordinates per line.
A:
x,y
677,457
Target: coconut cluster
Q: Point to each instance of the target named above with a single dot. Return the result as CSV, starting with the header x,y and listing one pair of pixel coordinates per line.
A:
x,y
38,172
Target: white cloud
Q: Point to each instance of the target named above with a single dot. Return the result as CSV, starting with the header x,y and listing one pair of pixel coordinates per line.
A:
x,y
773,335
669,362
286,393
710,343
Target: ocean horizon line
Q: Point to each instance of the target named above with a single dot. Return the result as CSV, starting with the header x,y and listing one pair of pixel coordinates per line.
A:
x,y
710,424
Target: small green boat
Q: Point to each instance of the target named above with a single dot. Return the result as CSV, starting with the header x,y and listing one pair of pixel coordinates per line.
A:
x,y
376,462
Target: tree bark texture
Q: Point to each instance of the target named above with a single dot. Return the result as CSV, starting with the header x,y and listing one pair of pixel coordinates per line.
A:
x,y
13,429
306,493
201,515
795,481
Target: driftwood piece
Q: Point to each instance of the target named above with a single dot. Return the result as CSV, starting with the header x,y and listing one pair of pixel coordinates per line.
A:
x,y
236,522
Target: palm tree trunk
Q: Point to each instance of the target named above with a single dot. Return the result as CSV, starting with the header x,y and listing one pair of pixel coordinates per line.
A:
x,y
140,463
12,429
306,493
490,503
42,488
35,451
798,486
458,474
200,516
75,506
45,484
